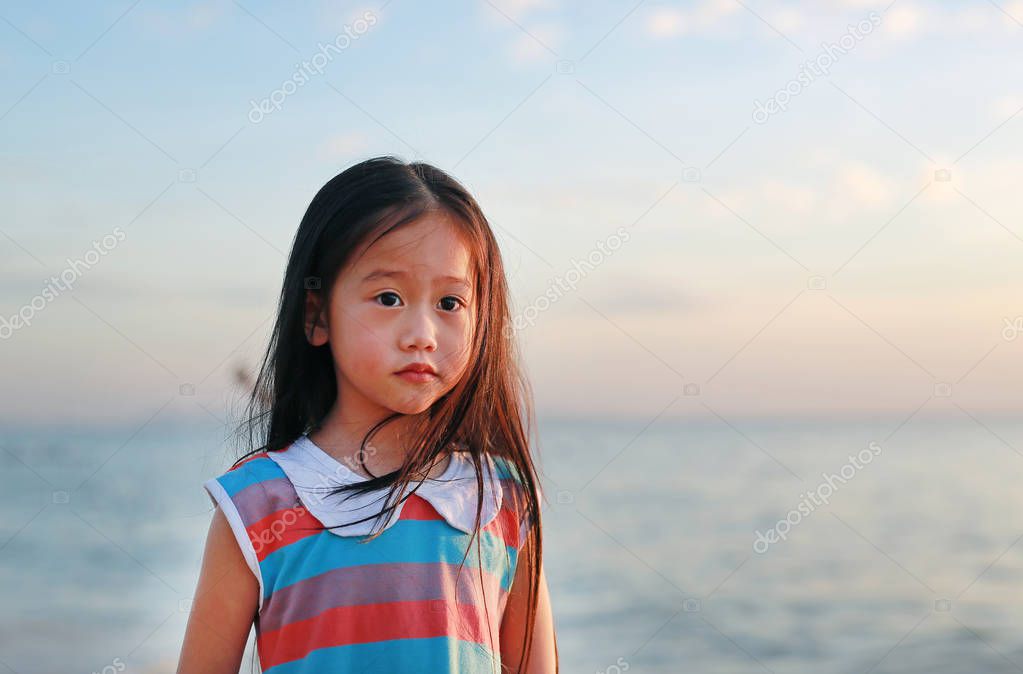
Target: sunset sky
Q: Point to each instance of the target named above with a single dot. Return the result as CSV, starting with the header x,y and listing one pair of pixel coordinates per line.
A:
x,y
857,252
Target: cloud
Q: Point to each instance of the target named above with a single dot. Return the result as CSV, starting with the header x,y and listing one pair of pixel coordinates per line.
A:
x,y
194,18
788,205
770,199
1014,10
670,21
907,21
990,183
531,39
788,20
787,197
1006,107
665,22
533,46
859,3
333,17
516,8
973,19
863,184
902,21
343,145
639,295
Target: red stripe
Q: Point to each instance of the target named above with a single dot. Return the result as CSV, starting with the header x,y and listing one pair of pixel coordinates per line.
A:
x,y
418,508
246,460
346,625
505,526
290,525
282,528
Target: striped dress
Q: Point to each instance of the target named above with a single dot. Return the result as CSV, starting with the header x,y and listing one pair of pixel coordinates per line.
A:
x,y
330,602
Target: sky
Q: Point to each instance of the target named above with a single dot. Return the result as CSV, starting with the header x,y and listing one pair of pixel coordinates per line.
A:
x,y
717,209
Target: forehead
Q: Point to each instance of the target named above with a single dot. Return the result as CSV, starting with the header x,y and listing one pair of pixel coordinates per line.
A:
x,y
431,246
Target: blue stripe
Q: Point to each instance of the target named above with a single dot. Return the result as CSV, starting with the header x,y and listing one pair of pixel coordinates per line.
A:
x,y
437,654
406,541
248,474
505,470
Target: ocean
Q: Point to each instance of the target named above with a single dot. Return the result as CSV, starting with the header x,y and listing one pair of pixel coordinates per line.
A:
x,y
872,546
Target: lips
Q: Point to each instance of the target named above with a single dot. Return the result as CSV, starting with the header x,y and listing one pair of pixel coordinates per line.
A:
x,y
418,367
417,372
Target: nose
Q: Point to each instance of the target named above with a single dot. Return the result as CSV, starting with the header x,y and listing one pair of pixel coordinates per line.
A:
x,y
418,330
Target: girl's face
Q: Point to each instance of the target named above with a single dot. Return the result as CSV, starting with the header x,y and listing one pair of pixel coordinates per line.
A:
x,y
407,299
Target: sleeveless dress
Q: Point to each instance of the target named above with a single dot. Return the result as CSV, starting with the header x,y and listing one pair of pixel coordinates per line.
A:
x,y
330,602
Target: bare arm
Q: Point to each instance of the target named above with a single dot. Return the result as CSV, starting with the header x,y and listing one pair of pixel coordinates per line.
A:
x,y
223,608
543,651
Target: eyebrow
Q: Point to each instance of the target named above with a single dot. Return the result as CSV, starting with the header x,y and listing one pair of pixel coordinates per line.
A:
x,y
389,273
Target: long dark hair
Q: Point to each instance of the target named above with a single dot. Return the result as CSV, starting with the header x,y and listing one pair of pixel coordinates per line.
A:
x,y
489,412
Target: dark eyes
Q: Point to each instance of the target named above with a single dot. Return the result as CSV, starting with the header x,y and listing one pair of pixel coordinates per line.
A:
x,y
456,303
451,302
386,295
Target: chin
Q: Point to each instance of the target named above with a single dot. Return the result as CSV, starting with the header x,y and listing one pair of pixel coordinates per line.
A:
x,y
411,406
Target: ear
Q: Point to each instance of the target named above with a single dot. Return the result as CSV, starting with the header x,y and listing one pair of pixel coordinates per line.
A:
x,y
315,318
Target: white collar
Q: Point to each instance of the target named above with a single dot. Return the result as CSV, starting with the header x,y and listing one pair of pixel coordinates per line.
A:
x,y
314,473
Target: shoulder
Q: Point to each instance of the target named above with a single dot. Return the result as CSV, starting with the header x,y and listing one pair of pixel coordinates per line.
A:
x,y
515,494
249,494
254,487
248,471
512,478
507,471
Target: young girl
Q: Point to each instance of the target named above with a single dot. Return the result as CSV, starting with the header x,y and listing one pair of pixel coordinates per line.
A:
x,y
389,520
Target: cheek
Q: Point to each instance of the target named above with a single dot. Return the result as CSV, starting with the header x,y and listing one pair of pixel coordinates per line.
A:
x,y
357,347
458,339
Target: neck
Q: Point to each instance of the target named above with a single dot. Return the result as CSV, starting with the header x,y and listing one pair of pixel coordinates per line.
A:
x,y
341,437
